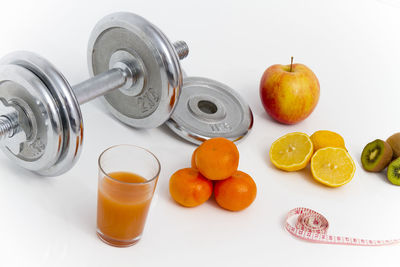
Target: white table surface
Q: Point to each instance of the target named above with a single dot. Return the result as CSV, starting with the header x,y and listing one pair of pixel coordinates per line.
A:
x,y
352,46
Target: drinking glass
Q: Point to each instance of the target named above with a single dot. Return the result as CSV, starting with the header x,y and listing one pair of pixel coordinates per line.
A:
x,y
127,179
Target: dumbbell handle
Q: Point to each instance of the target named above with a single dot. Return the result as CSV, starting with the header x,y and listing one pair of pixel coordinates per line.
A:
x,y
85,91
113,79
99,85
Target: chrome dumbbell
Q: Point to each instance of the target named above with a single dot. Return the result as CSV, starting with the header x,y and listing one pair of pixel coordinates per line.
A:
x,y
137,72
134,67
197,109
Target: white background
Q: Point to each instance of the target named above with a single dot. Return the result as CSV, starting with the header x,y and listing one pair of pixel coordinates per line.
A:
x,y
352,46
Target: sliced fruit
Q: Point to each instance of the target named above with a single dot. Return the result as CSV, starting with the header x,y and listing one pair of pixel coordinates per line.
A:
x,y
376,156
291,152
324,138
393,172
332,166
394,142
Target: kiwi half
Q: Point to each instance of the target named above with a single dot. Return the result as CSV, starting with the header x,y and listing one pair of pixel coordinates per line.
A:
x,y
393,172
394,142
376,156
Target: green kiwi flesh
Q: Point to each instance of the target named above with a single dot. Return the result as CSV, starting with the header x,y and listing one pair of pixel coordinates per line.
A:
x,y
393,172
394,142
376,156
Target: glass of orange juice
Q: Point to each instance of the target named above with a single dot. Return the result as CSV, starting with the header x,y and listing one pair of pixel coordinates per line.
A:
x,y
127,179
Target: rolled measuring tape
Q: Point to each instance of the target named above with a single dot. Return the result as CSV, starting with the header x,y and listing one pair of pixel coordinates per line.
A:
x,y
313,227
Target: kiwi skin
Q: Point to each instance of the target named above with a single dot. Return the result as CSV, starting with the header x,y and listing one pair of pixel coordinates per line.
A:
x,y
384,159
394,142
393,172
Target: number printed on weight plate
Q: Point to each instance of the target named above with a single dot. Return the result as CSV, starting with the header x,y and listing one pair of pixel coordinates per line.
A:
x,y
37,147
148,100
220,127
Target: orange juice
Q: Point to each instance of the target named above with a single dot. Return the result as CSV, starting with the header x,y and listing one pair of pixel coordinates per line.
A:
x,y
122,207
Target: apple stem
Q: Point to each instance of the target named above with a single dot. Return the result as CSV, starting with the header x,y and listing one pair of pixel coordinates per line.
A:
x,y
291,64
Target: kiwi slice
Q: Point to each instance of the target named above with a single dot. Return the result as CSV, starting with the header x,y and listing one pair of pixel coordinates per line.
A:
x,y
393,172
376,156
394,142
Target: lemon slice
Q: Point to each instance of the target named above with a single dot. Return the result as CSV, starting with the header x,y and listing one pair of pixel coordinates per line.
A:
x,y
291,152
332,166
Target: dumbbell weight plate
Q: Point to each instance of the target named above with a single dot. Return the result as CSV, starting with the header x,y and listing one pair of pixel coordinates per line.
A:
x,y
68,142
127,36
41,152
208,109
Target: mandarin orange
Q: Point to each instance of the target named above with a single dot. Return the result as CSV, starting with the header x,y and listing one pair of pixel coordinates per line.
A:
x,y
217,158
235,193
193,162
189,188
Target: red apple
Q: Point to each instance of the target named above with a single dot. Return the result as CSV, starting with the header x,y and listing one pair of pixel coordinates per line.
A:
x,y
289,93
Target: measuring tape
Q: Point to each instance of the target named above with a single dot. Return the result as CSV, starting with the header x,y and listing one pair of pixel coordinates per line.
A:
x,y
313,227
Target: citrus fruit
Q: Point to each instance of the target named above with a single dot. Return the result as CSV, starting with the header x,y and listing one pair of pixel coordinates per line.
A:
x,y
324,138
189,188
332,166
193,162
291,152
235,193
217,158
